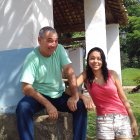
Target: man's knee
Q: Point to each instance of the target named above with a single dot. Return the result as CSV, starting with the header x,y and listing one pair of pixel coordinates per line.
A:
x,y
23,107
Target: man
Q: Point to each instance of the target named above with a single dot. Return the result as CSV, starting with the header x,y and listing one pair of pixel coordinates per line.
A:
x,y
43,87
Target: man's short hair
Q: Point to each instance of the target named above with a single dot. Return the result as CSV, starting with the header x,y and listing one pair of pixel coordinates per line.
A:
x,y
46,29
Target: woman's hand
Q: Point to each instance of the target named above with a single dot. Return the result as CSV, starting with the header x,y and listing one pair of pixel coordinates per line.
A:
x,y
134,128
88,102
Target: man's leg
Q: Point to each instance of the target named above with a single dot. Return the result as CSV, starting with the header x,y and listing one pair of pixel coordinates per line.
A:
x,y
80,122
79,116
26,108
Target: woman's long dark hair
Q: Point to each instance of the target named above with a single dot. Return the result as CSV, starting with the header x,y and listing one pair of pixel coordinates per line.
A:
x,y
89,73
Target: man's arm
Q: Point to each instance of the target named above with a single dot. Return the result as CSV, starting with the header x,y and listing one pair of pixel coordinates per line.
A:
x,y
69,72
28,90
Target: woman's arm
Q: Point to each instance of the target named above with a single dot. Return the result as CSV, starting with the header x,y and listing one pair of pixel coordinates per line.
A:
x,y
125,102
81,78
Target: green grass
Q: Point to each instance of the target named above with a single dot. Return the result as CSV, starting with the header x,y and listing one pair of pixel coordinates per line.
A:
x,y
135,98
130,77
135,105
91,125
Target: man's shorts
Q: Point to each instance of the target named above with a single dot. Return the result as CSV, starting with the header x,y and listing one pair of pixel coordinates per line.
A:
x,y
113,126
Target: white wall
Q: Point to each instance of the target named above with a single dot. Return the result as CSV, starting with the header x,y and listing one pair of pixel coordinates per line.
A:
x,y
16,24
43,15
20,21
76,56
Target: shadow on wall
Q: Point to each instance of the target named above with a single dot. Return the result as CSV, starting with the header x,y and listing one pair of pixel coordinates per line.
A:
x,y
20,22
10,93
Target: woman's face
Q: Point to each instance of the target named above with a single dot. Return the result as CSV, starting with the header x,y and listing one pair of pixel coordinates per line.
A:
x,y
95,61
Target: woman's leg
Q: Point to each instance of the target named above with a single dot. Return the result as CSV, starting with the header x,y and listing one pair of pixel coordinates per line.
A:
x,y
123,127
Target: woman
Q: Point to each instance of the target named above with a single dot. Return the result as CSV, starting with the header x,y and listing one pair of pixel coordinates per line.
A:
x,y
115,119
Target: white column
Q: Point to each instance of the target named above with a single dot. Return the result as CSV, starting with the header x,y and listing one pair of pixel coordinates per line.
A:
x,y
113,48
20,21
95,24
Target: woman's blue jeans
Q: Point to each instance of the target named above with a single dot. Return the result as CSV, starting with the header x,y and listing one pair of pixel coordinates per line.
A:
x,y
28,106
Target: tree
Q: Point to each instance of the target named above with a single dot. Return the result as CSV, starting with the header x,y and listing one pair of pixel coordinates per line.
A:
x,y
128,3
130,45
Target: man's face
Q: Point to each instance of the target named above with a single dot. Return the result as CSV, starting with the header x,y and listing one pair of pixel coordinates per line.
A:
x,y
48,43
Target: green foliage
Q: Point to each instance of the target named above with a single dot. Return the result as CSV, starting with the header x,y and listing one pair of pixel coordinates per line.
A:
x,y
130,44
130,77
124,60
130,3
76,44
68,36
134,9
78,34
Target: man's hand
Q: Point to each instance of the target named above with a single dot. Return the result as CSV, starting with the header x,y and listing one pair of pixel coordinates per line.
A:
x,y
52,111
28,90
88,102
72,103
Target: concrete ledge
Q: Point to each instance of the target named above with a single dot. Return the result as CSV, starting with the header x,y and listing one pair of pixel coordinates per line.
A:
x,y
8,130
45,129
60,129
